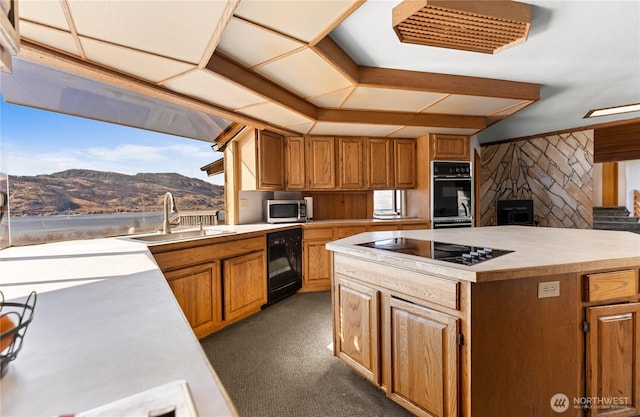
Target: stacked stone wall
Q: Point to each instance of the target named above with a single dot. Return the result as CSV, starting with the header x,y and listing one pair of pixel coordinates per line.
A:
x,y
556,172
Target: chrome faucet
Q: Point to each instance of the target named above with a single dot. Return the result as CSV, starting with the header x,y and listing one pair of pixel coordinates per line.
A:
x,y
169,207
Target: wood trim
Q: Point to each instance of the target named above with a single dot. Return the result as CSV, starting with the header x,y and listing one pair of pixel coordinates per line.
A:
x,y
568,130
445,83
72,28
229,8
325,33
400,118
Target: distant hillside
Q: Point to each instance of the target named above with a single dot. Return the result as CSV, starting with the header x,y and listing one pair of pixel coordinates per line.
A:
x,y
81,191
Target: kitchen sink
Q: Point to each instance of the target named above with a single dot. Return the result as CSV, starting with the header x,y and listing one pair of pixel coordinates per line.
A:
x,y
182,235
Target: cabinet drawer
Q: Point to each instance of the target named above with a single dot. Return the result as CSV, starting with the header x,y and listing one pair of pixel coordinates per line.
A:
x,y
610,285
322,233
350,231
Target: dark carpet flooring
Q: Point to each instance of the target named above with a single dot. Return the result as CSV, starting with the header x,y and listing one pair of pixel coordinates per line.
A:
x,y
276,363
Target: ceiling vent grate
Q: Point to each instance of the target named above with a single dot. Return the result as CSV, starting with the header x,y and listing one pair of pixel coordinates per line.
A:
x,y
477,26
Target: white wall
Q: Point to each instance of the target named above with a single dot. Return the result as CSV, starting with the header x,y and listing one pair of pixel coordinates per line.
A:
x,y
632,173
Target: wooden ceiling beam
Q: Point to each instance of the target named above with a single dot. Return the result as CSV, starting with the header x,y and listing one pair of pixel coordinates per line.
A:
x,y
448,84
254,82
401,118
338,58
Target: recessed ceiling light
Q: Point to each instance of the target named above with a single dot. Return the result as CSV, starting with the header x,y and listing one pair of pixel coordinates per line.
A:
x,y
608,111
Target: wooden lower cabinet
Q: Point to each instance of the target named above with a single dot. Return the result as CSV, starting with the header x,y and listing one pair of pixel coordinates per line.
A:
x,y
420,338
357,328
316,261
245,285
198,292
613,359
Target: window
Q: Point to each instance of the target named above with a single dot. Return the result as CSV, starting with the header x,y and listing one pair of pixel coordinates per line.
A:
x,y
75,178
388,203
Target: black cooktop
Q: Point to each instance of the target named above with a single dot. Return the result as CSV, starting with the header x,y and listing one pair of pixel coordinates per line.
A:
x,y
442,251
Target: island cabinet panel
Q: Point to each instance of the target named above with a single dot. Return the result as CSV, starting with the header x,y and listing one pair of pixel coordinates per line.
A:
x,y
613,360
294,163
422,359
357,328
351,163
245,285
320,158
610,285
197,290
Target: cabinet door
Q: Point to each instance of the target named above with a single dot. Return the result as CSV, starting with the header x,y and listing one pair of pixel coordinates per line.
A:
x,y
450,147
295,177
320,160
613,359
380,164
404,151
245,285
316,266
197,290
351,163
357,328
270,161
422,359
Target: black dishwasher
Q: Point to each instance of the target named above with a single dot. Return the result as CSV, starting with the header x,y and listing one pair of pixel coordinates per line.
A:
x,y
284,264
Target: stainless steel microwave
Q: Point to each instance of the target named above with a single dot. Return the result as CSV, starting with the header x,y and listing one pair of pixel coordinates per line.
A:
x,y
285,211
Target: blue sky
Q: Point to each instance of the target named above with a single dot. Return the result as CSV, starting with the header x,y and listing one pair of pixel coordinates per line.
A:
x,y
42,142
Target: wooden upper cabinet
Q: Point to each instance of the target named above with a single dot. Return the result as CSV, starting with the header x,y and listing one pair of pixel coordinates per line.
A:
x,y
380,166
404,151
450,147
270,161
320,158
351,163
294,164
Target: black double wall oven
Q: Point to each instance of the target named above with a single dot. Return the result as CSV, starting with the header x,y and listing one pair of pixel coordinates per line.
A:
x,y
284,264
451,194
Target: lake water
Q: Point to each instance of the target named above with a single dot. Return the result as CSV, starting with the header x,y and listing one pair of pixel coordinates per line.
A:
x,y
37,229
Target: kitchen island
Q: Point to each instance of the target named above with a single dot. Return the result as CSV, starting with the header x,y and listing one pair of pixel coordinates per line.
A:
x,y
551,325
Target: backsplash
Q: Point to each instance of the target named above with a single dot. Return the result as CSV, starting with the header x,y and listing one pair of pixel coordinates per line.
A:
x,y
555,171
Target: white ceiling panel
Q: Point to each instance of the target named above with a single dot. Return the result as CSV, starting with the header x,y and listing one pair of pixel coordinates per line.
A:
x,y
471,105
415,131
210,87
347,129
392,100
58,39
305,73
275,114
175,29
264,44
331,100
139,64
301,128
48,13
303,20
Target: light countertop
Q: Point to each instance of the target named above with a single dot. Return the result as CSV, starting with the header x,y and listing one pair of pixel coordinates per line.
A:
x,y
106,326
537,251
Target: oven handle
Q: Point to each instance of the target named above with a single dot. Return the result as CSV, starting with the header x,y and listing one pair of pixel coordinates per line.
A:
x,y
451,178
444,225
